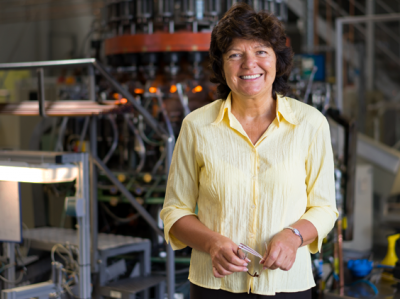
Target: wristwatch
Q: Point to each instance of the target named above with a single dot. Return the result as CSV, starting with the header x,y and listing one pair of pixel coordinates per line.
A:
x,y
296,232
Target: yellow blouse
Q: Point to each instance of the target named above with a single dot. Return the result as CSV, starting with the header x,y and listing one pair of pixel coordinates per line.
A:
x,y
249,193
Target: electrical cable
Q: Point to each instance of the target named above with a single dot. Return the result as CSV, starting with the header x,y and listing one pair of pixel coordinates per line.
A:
x,y
143,135
72,263
18,280
83,134
115,140
159,162
139,144
59,144
116,218
367,282
28,246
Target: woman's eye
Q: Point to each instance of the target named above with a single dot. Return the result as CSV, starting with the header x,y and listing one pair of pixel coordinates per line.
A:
x,y
261,52
233,55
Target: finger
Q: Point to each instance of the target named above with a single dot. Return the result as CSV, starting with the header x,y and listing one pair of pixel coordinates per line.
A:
x,y
229,266
272,256
243,256
216,274
231,258
280,262
222,271
288,264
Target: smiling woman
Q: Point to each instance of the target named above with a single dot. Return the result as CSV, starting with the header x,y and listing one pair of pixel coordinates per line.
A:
x,y
263,29
249,68
259,167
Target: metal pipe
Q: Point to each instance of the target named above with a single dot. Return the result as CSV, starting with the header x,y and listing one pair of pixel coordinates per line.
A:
x,y
83,134
309,84
92,83
41,95
139,144
339,64
115,140
93,195
373,18
310,26
142,211
182,99
84,228
47,64
170,271
340,256
59,145
165,114
170,253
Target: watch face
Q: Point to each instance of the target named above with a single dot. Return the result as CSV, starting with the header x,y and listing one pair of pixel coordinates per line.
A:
x,y
296,231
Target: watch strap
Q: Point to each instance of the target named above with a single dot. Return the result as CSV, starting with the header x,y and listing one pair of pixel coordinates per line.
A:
x,y
296,232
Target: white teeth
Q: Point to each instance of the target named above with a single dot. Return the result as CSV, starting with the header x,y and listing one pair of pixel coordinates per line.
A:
x,y
250,77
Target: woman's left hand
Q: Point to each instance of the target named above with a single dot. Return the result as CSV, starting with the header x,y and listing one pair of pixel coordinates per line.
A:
x,y
281,251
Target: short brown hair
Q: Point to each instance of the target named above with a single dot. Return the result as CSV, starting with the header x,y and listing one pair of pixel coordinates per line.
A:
x,y
241,21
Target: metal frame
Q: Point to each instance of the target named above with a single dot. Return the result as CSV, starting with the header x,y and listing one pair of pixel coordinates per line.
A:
x,y
339,45
167,136
82,191
39,290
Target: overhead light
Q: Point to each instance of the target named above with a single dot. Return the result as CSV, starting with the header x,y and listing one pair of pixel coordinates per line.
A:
x,y
14,171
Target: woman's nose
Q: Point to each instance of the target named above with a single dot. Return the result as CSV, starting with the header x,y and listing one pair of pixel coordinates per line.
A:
x,y
249,61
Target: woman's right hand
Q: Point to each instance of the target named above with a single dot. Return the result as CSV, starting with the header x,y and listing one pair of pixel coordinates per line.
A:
x,y
226,257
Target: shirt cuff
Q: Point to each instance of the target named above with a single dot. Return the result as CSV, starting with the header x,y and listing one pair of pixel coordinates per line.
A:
x,y
170,217
323,219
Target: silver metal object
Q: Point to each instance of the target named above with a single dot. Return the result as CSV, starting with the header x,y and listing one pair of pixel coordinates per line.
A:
x,y
39,290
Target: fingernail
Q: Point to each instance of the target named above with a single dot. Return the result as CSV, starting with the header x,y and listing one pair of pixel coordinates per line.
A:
x,y
247,260
264,268
245,270
261,262
245,264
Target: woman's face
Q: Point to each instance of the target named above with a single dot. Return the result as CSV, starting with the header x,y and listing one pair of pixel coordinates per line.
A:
x,y
249,68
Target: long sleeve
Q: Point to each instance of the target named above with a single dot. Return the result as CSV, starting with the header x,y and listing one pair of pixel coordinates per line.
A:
x,y
182,186
321,203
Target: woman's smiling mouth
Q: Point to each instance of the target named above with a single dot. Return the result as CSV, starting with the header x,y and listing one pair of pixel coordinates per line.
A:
x,y
250,77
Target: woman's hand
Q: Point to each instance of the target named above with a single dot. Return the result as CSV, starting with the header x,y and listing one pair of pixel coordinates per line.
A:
x,y
281,251
226,257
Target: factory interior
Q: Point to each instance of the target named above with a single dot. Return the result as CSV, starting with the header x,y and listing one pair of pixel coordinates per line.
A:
x,y
92,98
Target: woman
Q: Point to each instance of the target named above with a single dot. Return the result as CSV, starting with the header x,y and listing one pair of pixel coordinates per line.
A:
x,y
258,165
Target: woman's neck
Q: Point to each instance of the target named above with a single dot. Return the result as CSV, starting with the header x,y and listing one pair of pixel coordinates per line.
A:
x,y
253,108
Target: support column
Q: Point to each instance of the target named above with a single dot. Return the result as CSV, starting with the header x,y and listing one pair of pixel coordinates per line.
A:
x,y
93,195
9,273
309,17
170,253
339,65
84,229
370,51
